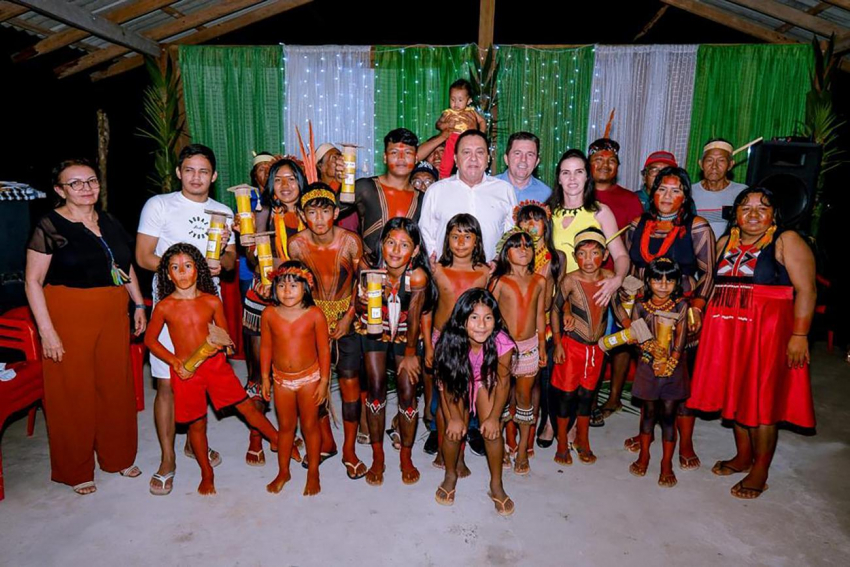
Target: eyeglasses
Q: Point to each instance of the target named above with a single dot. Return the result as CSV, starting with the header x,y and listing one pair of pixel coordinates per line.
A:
x,y
77,185
421,184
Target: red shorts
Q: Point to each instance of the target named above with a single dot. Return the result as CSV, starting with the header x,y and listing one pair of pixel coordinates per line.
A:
x,y
215,378
582,366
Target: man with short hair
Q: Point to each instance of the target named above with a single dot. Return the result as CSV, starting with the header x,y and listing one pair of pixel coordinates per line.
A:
x,y
715,190
470,190
655,162
168,219
522,155
378,199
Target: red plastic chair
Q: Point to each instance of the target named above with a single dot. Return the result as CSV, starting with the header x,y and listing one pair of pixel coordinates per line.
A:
x,y
26,390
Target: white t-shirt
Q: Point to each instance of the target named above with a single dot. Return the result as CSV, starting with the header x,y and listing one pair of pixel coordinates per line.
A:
x,y
173,218
710,204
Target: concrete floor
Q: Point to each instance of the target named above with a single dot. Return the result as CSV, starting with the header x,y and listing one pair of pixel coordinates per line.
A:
x,y
585,515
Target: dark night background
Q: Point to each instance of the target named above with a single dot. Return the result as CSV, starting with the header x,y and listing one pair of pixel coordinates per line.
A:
x,y
46,120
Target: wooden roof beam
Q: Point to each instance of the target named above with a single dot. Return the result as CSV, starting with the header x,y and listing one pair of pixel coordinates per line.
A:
x,y
272,9
123,13
9,10
840,3
793,16
812,11
486,23
162,32
79,18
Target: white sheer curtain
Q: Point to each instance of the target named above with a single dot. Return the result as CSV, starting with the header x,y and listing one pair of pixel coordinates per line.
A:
x,y
334,87
651,87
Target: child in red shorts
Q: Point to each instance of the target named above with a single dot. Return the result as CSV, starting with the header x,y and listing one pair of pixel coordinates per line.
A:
x,y
189,306
578,359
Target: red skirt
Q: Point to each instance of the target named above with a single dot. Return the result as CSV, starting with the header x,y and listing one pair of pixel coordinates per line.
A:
x,y
741,366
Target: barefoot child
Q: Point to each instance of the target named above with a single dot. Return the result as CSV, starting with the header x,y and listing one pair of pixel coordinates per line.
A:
x,y
188,307
521,296
472,362
406,291
578,359
295,353
661,380
457,119
462,266
536,219
333,256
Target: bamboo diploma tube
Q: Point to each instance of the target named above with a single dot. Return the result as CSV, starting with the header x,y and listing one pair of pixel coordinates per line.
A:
x,y
245,214
374,301
264,255
216,340
639,331
665,323
631,285
349,156
218,220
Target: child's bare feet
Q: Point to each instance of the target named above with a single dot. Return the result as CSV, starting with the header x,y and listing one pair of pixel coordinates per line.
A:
x,y
375,475
207,486
521,465
277,484
563,457
295,455
313,486
463,470
438,462
409,473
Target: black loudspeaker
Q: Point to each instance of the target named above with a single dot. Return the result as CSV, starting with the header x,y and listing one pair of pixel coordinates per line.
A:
x,y
790,169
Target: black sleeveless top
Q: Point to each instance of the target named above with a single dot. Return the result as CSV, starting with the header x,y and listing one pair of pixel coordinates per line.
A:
x,y
681,252
752,266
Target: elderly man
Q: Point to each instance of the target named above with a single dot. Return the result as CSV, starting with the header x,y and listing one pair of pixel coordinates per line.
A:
x,y
716,191
655,162
471,191
522,155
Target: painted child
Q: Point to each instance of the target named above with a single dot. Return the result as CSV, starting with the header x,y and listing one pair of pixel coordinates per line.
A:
x,y
461,266
295,354
578,322
457,119
188,307
536,219
407,289
661,381
333,256
520,293
472,361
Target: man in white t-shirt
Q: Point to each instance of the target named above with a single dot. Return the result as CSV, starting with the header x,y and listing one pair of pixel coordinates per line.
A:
x,y
168,219
716,191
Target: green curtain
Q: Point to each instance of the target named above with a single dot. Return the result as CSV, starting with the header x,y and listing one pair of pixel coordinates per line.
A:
x,y
742,92
234,100
545,92
412,87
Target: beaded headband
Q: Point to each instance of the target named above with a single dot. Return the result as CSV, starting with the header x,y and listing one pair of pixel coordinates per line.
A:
x,y
293,271
504,239
532,203
317,194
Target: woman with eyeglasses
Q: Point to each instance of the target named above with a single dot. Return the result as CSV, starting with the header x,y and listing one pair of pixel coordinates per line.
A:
x,y
79,282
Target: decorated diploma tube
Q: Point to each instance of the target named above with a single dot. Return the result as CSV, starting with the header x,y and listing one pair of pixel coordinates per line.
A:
x,y
215,341
247,229
218,222
665,325
374,287
638,332
349,157
262,241
631,285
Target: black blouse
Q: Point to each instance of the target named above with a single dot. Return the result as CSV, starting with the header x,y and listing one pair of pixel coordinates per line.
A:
x,y
78,257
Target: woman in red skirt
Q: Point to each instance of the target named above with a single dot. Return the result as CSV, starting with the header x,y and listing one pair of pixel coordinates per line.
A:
x,y
753,361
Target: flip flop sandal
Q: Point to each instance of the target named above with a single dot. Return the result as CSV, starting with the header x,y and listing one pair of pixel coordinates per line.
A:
x,y
637,469
566,458
502,505
131,472
259,459
689,463
632,444
444,497
607,412
352,468
379,478
84,486
164,489
721,466
522,469
667,480
214,456
395,438
363,438
596,419
412,479
740,486
322,458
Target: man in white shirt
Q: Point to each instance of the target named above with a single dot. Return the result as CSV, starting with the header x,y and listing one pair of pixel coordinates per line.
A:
x,y
471,191
168,219
716,191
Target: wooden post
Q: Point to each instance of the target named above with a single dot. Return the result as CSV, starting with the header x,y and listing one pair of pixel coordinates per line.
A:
x,y
102,153
486,23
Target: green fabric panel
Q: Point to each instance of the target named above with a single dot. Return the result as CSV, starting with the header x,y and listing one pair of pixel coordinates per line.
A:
x,y
412,88
234,100
545,92
742,92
